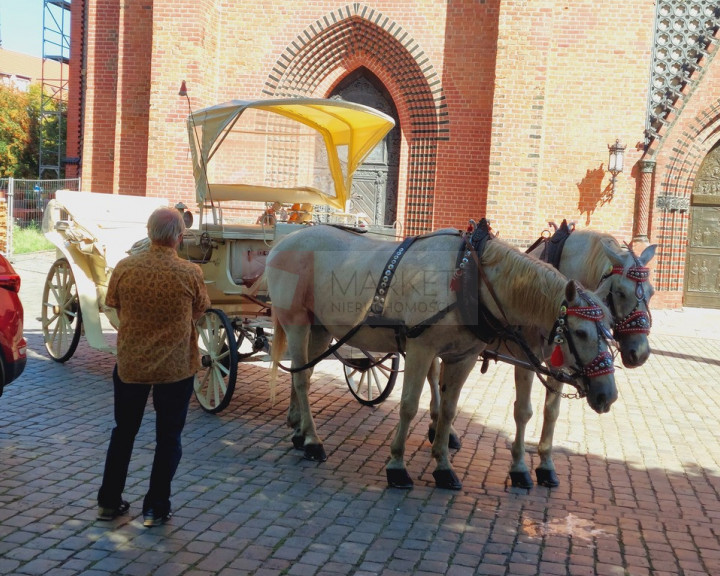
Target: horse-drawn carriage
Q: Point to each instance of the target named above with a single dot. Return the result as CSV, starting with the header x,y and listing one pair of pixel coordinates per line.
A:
x,y
296,158
263,169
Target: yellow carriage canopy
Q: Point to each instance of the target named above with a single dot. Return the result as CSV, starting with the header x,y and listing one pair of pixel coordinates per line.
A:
x,y
289,150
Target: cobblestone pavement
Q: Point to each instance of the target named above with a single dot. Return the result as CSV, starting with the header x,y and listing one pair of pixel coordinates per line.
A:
x,y
639,487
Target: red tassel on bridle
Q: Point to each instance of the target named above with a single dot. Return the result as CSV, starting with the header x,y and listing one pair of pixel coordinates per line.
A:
x,y
557,359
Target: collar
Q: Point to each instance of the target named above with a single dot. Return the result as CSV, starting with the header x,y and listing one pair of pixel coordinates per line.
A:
x,y
160,249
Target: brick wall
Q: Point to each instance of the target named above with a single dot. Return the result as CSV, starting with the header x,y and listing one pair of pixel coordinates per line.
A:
x,y
100,101
506,107
678,156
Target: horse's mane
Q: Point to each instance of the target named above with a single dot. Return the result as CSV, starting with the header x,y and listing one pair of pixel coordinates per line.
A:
x,y
528,285
596,262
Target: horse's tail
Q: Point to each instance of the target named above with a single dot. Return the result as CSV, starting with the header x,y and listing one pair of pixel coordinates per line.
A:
x,y
277,351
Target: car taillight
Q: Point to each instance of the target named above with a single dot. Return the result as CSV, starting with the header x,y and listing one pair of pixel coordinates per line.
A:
x,y
10,282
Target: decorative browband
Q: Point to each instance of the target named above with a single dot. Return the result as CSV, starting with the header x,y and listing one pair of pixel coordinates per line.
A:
x,y
636,273
594,313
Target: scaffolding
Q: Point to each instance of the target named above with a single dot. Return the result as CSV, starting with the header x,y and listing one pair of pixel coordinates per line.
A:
x,y
55,80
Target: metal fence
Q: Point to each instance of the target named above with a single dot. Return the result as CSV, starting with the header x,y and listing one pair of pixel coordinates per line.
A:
x,y
24,203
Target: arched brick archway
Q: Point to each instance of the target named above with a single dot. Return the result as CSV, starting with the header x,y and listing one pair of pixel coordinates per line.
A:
x,y
673,194
354,36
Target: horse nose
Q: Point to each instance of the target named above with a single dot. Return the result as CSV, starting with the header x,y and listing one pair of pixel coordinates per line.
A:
x,y
634,357
602,403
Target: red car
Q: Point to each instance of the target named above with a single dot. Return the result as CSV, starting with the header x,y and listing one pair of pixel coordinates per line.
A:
x,y
12,344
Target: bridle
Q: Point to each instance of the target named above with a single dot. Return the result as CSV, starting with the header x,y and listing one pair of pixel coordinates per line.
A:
x,y
602,364
579,376
636,321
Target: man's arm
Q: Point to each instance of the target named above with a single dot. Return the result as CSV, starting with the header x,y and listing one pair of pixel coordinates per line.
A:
x,y
111,298
202,301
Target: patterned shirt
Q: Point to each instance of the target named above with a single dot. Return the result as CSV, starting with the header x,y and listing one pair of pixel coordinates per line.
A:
x,y
158,296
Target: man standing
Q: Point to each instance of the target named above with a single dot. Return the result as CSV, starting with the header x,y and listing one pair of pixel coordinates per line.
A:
x,y
158,297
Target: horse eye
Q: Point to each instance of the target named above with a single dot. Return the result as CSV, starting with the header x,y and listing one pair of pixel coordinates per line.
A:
x,y
619,294
581,334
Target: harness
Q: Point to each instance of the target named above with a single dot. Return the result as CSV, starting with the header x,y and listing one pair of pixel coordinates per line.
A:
x,y
375,318
636,321
477,317
553,245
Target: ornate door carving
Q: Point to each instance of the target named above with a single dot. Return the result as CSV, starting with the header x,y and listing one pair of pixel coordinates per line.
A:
x,y
375,184
702,269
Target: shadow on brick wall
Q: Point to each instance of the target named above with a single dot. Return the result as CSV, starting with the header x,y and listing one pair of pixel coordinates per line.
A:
x,y
592,192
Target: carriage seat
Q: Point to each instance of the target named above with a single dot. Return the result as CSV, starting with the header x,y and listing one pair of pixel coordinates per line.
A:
x,y
114,222
267,194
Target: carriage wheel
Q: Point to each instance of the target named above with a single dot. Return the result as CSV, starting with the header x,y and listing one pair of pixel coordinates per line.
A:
x,y
369,381
215,381
60,314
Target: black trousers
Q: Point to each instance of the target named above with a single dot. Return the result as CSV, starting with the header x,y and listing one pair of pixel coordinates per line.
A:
x,y
170,401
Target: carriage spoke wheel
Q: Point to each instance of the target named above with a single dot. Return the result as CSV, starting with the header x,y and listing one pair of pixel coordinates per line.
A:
x,y
369,380
60,314
215,380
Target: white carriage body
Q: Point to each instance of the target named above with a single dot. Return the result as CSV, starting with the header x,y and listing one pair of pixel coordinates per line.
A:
x,y
93,232
262,169
273,161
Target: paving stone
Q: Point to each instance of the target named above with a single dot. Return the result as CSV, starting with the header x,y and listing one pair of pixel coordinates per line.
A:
x,y
638,495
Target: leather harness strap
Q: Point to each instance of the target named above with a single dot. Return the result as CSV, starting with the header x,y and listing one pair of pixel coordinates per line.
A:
x,y
552,250
375,315
475,314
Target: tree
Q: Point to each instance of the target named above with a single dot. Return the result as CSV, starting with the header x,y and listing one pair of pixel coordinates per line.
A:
x,y
19,119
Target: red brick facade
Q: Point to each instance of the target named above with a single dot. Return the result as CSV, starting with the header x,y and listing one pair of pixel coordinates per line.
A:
x,y
506,107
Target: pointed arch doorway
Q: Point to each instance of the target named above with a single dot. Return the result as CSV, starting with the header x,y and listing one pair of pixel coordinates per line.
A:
x,y
375,183
702,268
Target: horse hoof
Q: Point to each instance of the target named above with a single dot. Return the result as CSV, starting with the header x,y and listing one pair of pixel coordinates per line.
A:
x,y
522,480
454,442
447,479
547,478
298,442
315,453
399,478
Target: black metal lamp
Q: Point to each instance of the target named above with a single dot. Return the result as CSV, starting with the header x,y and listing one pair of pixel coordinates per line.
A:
x,y
616,160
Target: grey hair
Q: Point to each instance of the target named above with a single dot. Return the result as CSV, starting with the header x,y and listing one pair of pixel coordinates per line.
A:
x,y
165,226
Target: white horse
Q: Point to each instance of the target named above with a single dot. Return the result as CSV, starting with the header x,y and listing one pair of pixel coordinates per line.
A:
x,y
594,259
325,282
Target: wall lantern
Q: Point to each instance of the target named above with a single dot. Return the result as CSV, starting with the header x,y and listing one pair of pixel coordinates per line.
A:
x,y
615,162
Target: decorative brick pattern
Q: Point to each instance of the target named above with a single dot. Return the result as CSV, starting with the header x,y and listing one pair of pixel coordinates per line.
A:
x,y
678,156
684,35
506,107
354,36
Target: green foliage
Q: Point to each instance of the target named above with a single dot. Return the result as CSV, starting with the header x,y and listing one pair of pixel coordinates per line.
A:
x,y
18,133
31,239
26,119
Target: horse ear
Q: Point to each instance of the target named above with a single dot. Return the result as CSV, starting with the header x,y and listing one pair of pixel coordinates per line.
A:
x,y
603,290
570,291
647,254
614,257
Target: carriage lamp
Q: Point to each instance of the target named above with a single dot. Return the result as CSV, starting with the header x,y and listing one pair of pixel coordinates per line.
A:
x,y
615,161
